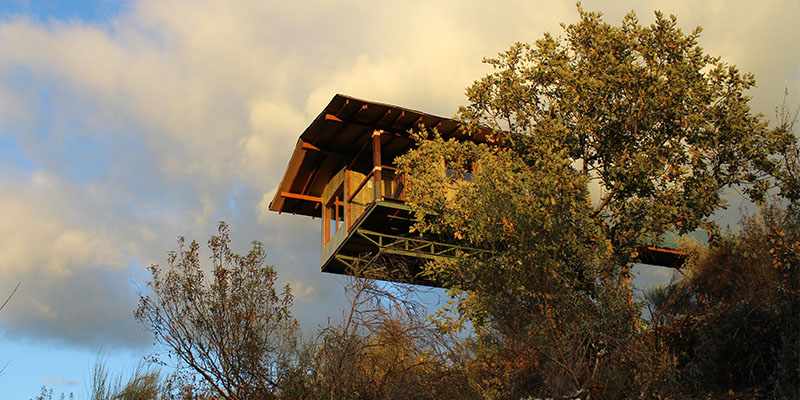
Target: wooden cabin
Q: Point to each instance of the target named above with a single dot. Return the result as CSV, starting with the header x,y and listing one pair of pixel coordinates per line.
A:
x,y
342,172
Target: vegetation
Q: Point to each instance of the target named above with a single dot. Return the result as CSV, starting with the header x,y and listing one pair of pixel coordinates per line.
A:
x,y
234,336
237,333
602,141
386,348
48,394
732,325
145,383
729,329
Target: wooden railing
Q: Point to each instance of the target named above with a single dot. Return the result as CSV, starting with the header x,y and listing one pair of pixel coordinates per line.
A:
x,y
392,188
360,186
393,184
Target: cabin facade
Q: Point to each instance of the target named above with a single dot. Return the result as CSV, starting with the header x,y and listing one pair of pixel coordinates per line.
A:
x,y
342,172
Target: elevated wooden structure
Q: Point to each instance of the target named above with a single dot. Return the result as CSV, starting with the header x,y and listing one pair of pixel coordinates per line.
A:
x,y
342,172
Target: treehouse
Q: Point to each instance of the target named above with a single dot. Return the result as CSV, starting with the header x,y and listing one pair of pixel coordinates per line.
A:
x,y
342,172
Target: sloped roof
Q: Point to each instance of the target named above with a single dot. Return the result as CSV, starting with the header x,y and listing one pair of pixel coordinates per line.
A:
x,y
338,134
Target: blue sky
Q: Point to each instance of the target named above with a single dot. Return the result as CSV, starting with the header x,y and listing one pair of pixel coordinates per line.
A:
x,y
124,124
46,10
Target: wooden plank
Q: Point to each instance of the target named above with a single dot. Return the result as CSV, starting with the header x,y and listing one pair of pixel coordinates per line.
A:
x,y
309,146
386,129
394,121
331,117
376,162
297,160
313,175
360,186
298,196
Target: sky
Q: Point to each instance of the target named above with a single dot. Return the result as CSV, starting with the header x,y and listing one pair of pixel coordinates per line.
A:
x,y
126,123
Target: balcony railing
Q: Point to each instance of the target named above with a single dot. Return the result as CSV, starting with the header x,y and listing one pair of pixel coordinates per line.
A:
x,y
392,188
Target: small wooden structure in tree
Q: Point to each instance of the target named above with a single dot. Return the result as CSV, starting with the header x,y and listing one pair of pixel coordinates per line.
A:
x,y
342,172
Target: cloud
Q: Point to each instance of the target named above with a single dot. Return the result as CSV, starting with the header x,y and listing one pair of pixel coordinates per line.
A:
x,y
63,381
174,114
38,231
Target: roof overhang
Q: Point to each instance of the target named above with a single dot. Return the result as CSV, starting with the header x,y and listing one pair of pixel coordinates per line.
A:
x,y
336,137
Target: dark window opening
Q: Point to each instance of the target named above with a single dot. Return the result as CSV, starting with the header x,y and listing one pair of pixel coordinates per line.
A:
x,y
334,214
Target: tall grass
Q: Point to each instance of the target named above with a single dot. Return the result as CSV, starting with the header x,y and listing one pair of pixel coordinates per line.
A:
x,y
144,383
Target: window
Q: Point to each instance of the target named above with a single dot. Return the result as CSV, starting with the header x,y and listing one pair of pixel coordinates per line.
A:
x,y
334,214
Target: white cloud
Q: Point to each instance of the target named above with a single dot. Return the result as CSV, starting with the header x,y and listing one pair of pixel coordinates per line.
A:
x,y
42,228
65,381
303,292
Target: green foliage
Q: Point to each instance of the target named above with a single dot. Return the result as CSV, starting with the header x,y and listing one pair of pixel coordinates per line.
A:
x,y
638,116
234,331
544,295
657,125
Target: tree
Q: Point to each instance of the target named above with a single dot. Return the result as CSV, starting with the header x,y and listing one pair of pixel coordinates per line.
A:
x,y
787,168
602,141
46,394
234,337
658,125
234,331
543,295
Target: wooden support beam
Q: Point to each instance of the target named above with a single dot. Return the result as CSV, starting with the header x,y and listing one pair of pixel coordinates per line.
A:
x,y
383,116
386,129
344,105
331,117
313,175
310,179
394,121
452,133
309,146
662,256
354,117
298,196
376,162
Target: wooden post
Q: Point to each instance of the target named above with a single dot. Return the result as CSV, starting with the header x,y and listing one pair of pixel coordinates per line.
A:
x,y
376,161
347,212
326,224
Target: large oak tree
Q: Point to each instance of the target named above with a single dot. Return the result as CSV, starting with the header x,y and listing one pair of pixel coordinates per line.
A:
x,y
604,139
